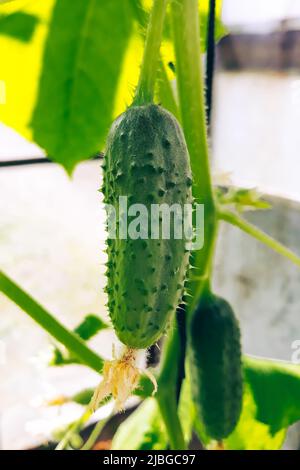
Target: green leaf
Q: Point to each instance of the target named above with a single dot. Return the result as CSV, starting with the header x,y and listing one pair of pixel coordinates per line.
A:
x,y
139,12
251,434
83,59
77,73
143,430
275,387
90,326
270,404
241,199
145,388
60,358
83,397
186,410
20,58
19,25
200,432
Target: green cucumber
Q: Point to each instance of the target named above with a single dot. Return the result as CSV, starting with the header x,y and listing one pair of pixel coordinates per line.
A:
x,y
146,160
216,365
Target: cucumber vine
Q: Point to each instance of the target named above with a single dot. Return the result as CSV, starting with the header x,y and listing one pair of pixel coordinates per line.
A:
x,y
191,95
145,89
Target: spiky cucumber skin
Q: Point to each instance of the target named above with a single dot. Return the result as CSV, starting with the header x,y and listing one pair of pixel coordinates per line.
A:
x,y
146,160
216,366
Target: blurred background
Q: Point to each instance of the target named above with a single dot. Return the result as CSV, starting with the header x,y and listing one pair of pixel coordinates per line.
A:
x,y
51,226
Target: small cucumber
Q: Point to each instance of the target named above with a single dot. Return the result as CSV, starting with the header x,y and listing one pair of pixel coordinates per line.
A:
x,y
146,160
216,366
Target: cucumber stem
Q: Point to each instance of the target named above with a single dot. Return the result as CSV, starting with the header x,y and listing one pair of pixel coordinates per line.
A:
x,y
260,235
186,30
190,83
167,391
38,313
145,89
166,94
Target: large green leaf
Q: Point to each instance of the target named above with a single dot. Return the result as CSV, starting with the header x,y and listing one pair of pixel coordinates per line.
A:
x,y
79,69
82,63
270,404
275,387
250,433
21,58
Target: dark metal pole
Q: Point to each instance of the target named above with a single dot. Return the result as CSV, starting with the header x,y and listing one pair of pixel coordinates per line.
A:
x,y
210,58
34,161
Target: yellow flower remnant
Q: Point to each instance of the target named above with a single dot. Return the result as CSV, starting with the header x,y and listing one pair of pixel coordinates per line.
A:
x,y
120,378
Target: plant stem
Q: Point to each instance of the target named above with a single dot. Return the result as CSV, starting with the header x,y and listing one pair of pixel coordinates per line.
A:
x,y
181,325
74,429
190,87
255,232
92,439
191,95
146,85
38,313
165,93
167,391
